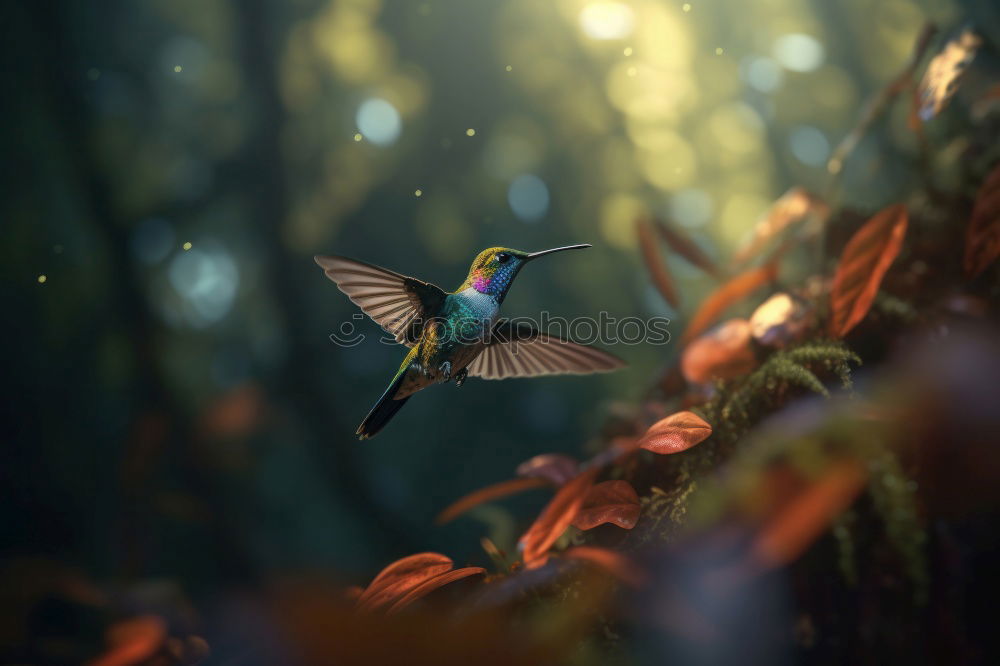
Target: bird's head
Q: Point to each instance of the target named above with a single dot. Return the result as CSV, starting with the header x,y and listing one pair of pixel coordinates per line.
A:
x,y
493,270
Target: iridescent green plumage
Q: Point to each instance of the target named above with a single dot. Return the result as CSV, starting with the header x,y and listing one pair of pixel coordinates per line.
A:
x,y
457,334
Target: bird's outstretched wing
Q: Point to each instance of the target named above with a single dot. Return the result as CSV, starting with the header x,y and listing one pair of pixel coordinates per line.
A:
x,y
520,350
397,303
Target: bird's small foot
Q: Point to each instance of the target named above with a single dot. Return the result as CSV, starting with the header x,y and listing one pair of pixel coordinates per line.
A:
x,y
445,370
460,376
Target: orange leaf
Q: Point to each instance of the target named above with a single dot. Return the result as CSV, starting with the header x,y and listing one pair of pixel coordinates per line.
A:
x,y
788,534
654,263
400,577
940,81
863,264
687,248
678,432
791,207
431,584
609,502
728,294
489,493
982,239
132,641
722,353
555,467
616,564
555,518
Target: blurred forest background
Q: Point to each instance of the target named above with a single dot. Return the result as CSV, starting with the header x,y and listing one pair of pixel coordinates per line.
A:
x,y
174,409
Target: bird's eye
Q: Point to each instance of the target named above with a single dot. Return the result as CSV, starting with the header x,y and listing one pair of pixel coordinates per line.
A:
x,y
502,257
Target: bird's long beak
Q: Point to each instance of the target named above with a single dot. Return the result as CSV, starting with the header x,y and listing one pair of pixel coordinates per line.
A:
x,y
535,255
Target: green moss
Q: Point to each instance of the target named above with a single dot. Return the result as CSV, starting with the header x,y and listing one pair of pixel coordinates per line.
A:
x,y
786,374
894,495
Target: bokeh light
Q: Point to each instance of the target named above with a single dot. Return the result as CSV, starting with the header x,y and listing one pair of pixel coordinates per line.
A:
x,y
379,121
691,207
528,197
762,74
809,145
607,20
207,279
798,52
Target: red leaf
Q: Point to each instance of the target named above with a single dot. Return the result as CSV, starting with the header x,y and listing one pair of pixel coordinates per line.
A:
x,y
791,207
431,584
654,263
722,353
863,264
400,577
789,533
609,502
687,248
555,518
982,239
616,564
489,493
678,432
728,294
555,467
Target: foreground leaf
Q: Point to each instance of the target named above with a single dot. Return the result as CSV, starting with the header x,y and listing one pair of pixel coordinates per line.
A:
x,y
609,502
132,641
431,584
727,295
555,518
657,268
678,432
488,494
941,80
400,577
982,239
863,264
789,533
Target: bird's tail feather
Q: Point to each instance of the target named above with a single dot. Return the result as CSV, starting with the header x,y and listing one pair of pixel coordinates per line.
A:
x,y
383,411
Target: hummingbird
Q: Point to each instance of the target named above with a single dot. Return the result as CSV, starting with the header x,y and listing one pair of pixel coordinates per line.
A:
x,y
458,334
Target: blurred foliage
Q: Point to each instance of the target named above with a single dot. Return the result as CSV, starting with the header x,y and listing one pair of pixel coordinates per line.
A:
x,y
177,418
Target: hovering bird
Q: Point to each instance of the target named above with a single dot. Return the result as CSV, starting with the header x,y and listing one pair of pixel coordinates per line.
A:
x,y
458,334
